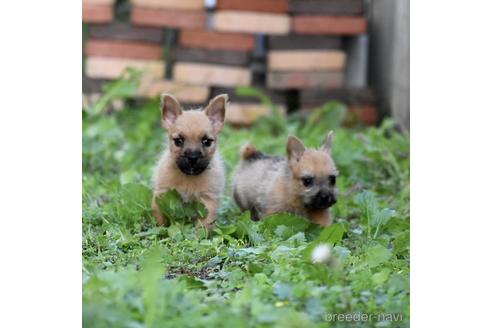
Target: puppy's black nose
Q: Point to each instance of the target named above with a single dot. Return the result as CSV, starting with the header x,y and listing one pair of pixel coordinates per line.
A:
x,y
331,199
193,156
328,198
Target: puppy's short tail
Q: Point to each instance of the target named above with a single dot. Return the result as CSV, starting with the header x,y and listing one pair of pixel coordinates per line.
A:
x,y
248,151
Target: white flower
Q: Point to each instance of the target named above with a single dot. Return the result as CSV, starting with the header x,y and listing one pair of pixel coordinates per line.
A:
x,y
321,254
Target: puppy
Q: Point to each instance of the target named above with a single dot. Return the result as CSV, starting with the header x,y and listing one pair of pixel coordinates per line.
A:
x,y
303,183
191,164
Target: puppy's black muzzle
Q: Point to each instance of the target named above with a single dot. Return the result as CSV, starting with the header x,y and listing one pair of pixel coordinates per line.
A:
x,y
192,162
321,201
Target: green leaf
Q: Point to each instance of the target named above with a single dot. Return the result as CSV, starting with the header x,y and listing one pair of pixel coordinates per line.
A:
x,y
192,282
124,87
136,197
152,272
380,277
329,235
282,291
375,256
332,234
283,225
173,207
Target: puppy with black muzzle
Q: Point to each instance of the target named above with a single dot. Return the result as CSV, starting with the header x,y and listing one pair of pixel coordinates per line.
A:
x,y
191,163
303,183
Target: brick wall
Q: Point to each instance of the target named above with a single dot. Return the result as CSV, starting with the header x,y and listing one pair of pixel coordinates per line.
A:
x,y
296,51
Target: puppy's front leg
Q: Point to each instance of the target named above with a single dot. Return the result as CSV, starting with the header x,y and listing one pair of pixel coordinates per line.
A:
x,y
323,218
161,219
211,204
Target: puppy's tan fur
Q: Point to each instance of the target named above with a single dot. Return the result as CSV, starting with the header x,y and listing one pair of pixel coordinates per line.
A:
x,y
266,184
192,126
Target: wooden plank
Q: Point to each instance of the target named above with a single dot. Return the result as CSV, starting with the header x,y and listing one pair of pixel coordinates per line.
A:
x,y
170,4
126,32
249,22
186,93
122,49
248,113
330,25
168,18
272,6
112,68
216,40
329,7
306,60
304,80
97,14
233,58
209,74
293,41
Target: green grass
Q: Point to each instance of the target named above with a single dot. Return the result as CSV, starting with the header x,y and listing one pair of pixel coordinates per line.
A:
x,y
244,273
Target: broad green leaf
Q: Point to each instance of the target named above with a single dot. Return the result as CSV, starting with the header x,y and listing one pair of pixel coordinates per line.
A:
x,y
376,255
283,225
332,234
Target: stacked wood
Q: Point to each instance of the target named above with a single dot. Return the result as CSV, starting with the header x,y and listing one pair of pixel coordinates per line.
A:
x,y
295,51
111,49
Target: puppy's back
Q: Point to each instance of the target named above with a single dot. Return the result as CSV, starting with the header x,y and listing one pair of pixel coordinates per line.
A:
x,y
254,178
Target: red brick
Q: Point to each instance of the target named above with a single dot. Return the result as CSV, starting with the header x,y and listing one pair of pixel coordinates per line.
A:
x,y
169,18
216,40
170,4
304,80
223,57
271,6
98,2
97,13
304,42
122,49
337,25
124,31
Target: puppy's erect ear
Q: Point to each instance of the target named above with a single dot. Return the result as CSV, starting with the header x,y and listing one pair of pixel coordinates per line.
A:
x,y
170,110
295,149
216,111
327,145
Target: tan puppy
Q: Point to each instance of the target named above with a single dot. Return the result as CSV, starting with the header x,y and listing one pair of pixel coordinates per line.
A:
x,y
303,183
191,164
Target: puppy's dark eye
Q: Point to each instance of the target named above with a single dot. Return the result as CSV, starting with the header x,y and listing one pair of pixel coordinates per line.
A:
x,y
332,179
207,142
307,181
178,141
